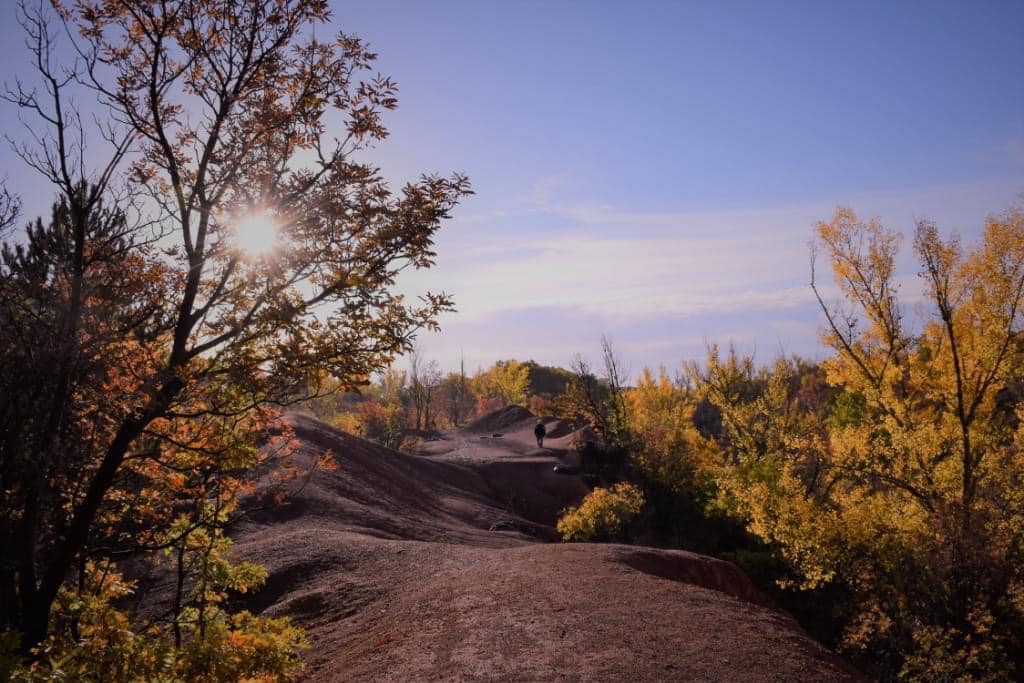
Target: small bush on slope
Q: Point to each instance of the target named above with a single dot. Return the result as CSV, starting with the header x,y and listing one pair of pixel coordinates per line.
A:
x,y
603,515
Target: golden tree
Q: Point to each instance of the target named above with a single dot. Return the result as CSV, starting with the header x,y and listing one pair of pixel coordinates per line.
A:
x,y
938,441
908,492
508,381
669,450
147,345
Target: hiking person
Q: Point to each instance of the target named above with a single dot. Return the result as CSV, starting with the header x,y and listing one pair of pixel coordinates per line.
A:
x,y
539,431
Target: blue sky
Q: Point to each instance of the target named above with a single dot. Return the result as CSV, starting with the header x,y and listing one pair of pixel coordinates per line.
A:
x,y
652,170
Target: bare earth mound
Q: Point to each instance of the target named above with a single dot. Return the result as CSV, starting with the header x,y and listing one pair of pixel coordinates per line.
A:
x,y
433,567
499,419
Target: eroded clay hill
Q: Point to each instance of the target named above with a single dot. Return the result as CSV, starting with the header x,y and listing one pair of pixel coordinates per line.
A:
x,y
439,566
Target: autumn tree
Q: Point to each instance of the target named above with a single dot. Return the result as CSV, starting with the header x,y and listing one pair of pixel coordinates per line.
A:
x,y
150,345
506,381
669,450
901,483
384,419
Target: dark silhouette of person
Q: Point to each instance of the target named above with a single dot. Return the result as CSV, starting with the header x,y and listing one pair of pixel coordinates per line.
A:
x,y
539,431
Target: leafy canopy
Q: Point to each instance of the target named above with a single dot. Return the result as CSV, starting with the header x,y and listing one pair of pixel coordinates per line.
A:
x,y
144,349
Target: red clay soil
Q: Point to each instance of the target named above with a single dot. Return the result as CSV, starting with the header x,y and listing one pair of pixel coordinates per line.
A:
x,y
438,566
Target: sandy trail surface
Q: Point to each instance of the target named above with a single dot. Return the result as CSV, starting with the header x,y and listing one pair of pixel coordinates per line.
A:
x,y
441,566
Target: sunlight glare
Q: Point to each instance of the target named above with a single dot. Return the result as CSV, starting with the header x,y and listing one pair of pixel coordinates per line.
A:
x,y
257,232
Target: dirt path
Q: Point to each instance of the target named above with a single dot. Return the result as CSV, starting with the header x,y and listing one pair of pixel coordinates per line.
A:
x,y
435,567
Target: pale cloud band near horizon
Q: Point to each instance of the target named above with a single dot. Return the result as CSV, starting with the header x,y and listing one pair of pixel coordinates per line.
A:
x,y
732,272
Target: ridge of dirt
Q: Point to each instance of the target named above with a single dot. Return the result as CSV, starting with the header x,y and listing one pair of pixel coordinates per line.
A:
x,y
434,567
500,419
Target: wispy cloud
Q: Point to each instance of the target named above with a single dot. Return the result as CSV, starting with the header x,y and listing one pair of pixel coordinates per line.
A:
x,y
627,264
738,274
626,277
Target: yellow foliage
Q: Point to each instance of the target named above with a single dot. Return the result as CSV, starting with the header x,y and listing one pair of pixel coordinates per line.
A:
x,y
669,450
94,641
508,381
903,482
603,514
349,423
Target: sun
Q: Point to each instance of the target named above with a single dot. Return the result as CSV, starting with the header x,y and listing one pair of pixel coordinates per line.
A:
x,y
258,232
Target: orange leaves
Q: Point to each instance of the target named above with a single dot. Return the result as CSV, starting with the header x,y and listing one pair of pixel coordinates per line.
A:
x,y
151,350
326,461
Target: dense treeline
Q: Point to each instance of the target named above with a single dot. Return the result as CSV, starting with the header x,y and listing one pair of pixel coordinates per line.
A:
x,y
400,407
